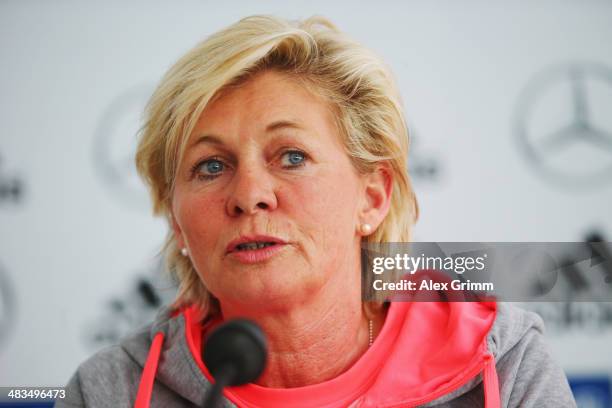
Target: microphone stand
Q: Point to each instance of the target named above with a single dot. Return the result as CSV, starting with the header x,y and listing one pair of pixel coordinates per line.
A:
x,y
234,353
223,378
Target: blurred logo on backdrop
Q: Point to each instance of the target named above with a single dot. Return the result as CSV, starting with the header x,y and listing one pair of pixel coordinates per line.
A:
x,y
423,166
564,127
11,194
570,313
11,186
114,148
150,288
7,307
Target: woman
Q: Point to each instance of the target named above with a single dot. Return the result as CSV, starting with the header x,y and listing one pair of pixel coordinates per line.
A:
x,y
274,149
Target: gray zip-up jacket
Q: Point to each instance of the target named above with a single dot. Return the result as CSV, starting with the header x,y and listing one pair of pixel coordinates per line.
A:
x,y
527,375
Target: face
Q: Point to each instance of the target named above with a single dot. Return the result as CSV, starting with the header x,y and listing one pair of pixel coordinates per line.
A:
x,y
266,200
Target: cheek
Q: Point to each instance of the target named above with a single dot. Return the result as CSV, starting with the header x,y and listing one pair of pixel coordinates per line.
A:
x,y
202,226
325,206
200,221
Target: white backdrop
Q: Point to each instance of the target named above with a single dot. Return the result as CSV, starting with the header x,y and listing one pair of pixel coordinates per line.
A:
x,y
484,86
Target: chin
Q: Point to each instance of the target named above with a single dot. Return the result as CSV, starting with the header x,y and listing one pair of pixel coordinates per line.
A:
x,y
269,295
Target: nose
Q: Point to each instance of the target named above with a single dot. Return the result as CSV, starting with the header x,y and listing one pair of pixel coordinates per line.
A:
x,y
253,191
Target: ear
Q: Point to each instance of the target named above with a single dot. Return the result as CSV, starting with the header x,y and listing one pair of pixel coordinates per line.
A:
x,y
378,189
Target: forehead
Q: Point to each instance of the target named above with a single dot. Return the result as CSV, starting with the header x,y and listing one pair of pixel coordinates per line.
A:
x,y
267,98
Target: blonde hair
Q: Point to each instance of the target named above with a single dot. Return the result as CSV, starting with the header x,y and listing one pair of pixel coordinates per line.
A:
x,y
356,82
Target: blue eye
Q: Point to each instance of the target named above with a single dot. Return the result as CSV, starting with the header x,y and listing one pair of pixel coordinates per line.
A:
x,y
213,166
208,169
293,158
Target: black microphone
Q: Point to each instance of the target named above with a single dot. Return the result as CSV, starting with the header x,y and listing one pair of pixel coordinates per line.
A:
x,y
235,354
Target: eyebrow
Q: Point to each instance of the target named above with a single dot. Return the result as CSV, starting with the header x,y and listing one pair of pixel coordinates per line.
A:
x,y
279,124
207,139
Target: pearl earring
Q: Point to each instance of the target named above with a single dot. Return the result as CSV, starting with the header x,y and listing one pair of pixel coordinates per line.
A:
x,y
184,251
366,229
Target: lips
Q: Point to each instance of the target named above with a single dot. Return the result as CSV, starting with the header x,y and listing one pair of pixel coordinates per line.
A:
x,y
253,243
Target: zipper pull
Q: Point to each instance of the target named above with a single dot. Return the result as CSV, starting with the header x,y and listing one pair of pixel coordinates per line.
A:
x,y
491,384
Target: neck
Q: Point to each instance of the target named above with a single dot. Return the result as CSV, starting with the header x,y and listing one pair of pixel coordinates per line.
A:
x,y
313,342
309,354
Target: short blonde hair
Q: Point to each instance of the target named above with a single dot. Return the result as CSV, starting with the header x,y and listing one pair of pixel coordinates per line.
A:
x,y
356,82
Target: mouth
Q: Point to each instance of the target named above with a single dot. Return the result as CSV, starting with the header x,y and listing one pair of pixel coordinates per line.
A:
x,y
253,243
255,249
250,246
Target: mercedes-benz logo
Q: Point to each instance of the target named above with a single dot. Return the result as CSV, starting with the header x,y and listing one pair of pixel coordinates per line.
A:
x,y
564,124
115,144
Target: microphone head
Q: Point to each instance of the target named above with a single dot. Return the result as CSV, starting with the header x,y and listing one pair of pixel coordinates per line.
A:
x,y
238,346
